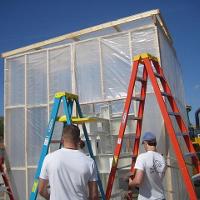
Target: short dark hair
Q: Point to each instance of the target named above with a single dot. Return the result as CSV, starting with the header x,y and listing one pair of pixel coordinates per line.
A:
x,y
152,143
71,132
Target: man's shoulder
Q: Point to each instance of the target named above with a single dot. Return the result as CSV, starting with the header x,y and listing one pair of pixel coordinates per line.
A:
x,y
86,158
143,155
52,154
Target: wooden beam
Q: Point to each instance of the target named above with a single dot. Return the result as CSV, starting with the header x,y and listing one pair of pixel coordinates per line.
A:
x,y
79,33
163,25
117,28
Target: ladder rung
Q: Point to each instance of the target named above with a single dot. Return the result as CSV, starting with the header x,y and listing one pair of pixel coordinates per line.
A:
x,y
55,141
125,156
137,99
128,156
165,94
196,177
181,134
125,166
174,113
140,79
158,75
77,120
186,155
135,118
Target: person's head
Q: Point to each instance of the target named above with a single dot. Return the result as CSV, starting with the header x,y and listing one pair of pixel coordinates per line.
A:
x,y
149,141
71,134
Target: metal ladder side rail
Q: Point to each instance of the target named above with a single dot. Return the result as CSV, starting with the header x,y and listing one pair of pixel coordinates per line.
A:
x,y
170,130
140,115
121,131
99,182
45,147
181,124
147,60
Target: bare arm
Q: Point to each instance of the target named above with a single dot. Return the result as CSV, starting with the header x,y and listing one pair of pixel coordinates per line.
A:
x,y
42,188
137,180
93,190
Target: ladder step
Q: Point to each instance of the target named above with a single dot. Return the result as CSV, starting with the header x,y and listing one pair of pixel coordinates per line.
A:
x,y
158,75
182,134
137,99
135,118
196,177
186,155
174,113
125,156
125,166
165,94
55,141
128,156
77,120
140,79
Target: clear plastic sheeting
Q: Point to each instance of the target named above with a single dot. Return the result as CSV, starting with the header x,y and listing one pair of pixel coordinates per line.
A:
x,y
116,65
18,183
172,69
36,130
15,136
59,71
98,70
37,78
88,72
15,81
137,24
144,41
98,33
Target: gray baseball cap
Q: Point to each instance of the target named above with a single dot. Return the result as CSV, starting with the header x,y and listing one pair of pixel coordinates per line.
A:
x,y
148,136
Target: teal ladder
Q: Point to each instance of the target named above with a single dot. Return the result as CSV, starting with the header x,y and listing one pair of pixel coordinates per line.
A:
x,y
67,100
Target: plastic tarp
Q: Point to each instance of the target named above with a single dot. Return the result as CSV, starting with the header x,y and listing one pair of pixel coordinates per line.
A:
x,y
60,71
15,81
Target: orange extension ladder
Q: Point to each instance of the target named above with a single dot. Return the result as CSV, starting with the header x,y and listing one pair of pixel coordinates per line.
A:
x,y
152,69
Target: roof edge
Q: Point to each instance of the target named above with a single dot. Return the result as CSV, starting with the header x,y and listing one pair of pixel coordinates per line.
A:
x,y
76,34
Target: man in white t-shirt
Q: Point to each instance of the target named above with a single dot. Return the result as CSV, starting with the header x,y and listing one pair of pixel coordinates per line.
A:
x,y
150,169
70,174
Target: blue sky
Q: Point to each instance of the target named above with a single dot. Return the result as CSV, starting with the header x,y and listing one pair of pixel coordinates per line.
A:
x,y
27,22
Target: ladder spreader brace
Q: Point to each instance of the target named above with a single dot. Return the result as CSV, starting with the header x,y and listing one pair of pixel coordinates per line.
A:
x,y
153,70
68,100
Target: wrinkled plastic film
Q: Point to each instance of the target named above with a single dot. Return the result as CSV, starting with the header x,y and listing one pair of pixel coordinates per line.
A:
x,y
36,130
88,75
37,78
60,71
15,136
172,71
15,81
116,65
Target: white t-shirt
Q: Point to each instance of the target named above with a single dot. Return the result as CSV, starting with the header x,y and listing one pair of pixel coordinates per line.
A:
x,y
154,166
68,172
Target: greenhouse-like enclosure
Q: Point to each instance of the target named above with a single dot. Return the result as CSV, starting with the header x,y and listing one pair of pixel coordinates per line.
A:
x,y
94,63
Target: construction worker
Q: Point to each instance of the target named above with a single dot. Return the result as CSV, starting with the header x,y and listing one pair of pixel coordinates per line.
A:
x,y
150,169
71,174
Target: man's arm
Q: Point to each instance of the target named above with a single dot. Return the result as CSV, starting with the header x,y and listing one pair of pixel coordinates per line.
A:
x,y
93,190
42,188
137,180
